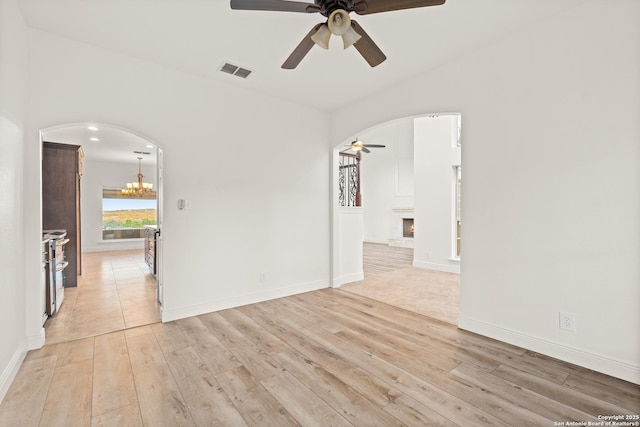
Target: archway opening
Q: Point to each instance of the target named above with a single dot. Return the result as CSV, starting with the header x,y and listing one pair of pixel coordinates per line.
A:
x,y
403,244
109,276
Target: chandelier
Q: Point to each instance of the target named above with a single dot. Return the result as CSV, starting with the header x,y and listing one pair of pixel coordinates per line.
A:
x,y
138,189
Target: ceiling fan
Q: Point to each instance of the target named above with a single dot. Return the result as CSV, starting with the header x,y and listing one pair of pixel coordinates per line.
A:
x,y
359,145
338,23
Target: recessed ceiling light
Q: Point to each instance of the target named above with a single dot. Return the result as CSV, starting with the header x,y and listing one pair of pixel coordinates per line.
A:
x,y
94,139
149,146
92,128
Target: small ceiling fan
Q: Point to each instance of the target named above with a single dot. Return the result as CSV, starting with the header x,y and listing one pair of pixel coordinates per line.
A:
x,y
338,23
359,145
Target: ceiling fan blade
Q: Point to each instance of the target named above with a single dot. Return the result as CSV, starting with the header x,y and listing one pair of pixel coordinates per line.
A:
x,y
275,5
365,7
301,50
375,145
367,48
366,150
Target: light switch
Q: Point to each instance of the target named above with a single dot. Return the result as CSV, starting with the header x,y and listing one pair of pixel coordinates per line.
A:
x,y
184,204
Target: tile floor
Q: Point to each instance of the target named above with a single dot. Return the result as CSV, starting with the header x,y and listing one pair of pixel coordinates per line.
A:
x,y
389,278
115,292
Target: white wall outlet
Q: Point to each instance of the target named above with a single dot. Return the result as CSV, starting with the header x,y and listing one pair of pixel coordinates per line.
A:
x,y
263,277
567,321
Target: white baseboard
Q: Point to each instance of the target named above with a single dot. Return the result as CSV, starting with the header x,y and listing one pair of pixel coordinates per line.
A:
x,y
169,314
36,341
115,245
596,362
348,278
447,268
378,241
10,371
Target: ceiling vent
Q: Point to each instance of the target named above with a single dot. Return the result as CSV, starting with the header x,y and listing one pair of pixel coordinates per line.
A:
x,y
235,70
146,153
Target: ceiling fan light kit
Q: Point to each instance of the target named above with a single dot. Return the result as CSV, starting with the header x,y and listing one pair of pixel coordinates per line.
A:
x,y
350,37
359,145
322,36
338,23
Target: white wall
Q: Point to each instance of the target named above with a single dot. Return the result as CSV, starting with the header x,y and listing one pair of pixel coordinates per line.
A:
x,y
387,177
253,233
349,253
551,181
435,157
98,175
13,71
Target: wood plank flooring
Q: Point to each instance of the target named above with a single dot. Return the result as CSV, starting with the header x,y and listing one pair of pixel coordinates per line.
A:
x,y
321,358
389,277
380,258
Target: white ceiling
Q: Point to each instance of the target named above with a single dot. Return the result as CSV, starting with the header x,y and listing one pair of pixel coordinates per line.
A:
x,y
113,145
198,36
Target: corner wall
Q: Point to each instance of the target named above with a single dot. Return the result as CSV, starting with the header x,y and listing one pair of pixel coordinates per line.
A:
x,y
552,174
13,94
435,157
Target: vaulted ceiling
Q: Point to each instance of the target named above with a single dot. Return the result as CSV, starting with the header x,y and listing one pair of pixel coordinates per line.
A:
x,y
198,36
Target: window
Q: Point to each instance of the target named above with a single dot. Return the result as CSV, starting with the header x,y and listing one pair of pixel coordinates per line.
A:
x,y
125,217
458,209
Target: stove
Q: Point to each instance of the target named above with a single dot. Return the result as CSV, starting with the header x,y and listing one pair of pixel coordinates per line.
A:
x,y
56,266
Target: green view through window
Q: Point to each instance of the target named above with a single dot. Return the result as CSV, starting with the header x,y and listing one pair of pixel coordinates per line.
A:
x,y
125,217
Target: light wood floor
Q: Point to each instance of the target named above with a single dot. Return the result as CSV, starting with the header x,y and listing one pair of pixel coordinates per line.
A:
x,y
321,358
114,292
379,258
389,277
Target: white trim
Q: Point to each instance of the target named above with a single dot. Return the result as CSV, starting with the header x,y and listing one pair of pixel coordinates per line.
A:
x,y
108,241
402,210
349,278
36,341
351,210
10,371
596,362
115,245
447,268
382,242
170,314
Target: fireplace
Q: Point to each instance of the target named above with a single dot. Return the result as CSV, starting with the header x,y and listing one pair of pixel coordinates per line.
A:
x,y
407,227
401,223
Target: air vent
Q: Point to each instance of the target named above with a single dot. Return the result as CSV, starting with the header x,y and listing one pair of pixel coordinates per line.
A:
x,y
235,70
142,152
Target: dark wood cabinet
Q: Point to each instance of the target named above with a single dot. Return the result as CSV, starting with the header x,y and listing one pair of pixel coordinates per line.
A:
x,y
61,173
150,251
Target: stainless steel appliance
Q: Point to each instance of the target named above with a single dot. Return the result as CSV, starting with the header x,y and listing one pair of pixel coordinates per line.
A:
x,y
44,282
57,264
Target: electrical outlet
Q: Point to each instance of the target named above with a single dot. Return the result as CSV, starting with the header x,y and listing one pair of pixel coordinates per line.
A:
x,y
263,277
567,321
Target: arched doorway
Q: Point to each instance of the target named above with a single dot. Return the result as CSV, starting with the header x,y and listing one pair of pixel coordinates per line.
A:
x,y
416,177
115,284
